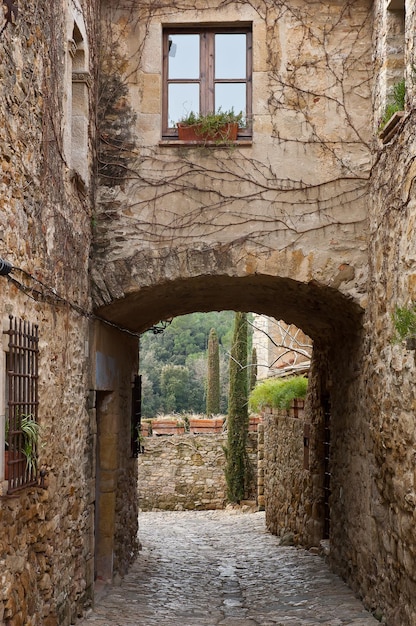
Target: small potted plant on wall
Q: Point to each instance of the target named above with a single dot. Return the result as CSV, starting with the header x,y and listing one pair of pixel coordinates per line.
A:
x,y
220,127
404,322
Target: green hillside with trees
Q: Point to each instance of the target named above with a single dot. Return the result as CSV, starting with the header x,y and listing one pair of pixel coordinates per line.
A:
x,y
174,364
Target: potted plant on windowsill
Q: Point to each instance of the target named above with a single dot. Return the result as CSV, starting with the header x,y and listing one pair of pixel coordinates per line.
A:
x,y
220,127
27,454
30,430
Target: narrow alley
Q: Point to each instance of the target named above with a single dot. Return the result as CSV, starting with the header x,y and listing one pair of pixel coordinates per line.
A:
x,y
221,568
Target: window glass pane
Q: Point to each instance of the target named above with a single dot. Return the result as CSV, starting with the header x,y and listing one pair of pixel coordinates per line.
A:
x,y
182,99
231,96
183,56
230,56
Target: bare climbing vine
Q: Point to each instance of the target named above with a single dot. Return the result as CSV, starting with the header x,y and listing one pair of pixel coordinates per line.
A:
x,y
293,349
309,175
10,14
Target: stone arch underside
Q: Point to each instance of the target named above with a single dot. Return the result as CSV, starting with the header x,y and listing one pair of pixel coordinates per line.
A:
x,y
321,311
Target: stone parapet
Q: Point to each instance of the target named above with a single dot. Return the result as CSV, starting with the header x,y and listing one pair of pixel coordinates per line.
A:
x,y
187,472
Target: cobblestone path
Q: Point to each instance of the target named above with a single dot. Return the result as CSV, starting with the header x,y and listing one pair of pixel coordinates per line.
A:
x,y
221,568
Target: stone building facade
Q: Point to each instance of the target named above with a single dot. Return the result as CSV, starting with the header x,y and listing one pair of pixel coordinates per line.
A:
x,y
281,349
112,224
54,355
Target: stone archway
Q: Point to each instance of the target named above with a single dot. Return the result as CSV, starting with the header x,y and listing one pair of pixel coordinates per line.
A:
x,y
333,321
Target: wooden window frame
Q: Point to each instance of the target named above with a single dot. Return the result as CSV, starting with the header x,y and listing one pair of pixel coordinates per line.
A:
x,y
206,78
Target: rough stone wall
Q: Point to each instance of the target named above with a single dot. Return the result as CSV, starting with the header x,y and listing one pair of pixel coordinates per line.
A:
x,y
46,536
187,472
294,463
392,55
379,438
285,477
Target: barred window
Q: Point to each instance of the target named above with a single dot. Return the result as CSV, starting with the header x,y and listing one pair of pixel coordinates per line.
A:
x,y
21,437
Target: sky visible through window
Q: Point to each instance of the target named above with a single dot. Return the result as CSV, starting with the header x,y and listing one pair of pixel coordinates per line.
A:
x,y
185,65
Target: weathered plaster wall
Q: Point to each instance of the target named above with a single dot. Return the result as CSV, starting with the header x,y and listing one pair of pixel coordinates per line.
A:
x,y
46,536
294,199
187,472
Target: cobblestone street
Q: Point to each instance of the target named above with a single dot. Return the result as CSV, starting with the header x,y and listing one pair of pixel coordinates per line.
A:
x,y
221,568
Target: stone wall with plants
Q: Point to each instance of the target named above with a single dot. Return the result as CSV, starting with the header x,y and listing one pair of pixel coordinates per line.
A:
x,y
382,467
181,472
46,533
388,384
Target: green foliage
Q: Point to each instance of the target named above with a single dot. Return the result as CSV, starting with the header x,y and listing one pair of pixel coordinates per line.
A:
x,y
213,375
212,123
253,370
237,399
236,472
184,342
175,388
277,393
30,430
397,102
404,322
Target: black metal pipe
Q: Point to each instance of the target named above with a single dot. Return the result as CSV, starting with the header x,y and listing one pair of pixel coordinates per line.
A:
x,y
5,267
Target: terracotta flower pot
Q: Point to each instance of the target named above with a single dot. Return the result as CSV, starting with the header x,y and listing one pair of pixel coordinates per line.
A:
x,y
19,468
205,426
167,427
228,132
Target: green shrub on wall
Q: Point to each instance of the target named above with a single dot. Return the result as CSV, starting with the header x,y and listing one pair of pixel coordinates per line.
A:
x,y
404,322
277,393
398,99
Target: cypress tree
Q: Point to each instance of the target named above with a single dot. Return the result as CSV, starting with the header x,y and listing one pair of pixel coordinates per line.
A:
x,y
213,377
237,466
253,369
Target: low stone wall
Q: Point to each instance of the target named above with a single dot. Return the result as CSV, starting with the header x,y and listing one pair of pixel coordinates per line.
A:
x,y
186,472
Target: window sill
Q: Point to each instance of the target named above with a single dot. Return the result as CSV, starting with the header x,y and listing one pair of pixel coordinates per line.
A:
x,y
210,144
4,486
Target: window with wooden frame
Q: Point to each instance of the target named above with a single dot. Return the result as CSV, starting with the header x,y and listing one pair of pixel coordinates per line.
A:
x,y
206,69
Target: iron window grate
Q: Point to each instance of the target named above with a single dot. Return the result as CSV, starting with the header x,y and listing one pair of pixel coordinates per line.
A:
x,y
22,403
